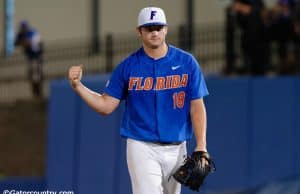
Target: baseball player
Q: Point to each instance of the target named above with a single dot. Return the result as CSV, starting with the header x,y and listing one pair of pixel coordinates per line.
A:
x,y
163,87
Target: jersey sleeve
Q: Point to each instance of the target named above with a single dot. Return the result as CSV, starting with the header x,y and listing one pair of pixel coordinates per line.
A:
x,y
116,86
197,84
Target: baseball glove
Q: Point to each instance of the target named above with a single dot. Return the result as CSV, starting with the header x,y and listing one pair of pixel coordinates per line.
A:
x,y
194,170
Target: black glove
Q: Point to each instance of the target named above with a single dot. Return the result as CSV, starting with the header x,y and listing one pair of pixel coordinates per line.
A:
x,y
194,170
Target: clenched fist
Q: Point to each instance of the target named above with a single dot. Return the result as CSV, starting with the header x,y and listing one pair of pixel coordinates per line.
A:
x,y
75,74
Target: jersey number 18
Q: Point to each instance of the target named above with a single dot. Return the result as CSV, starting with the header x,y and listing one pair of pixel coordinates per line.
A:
x,y
178,99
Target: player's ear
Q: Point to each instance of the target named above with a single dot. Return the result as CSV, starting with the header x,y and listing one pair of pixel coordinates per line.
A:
x,y
139,31
166,30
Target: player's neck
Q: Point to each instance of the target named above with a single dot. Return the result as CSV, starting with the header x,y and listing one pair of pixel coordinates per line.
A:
x,y
156,53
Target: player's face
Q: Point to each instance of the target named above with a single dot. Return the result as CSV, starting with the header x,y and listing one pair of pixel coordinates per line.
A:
x,y
153,36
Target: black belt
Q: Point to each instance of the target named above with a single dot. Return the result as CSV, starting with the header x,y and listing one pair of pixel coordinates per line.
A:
x,y
167,143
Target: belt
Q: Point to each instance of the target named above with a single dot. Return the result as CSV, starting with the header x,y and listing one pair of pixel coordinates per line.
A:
x,y
167,143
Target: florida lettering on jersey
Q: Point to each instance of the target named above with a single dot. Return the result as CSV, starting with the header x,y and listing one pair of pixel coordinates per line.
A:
x,y
158,83
157,107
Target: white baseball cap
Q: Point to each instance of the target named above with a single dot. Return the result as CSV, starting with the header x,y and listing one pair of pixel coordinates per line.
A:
x,y
152,16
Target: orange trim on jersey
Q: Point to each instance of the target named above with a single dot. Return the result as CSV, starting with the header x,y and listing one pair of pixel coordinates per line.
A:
x,y
148,83
184,80
160,83
168,82
132,82
175,81
139,84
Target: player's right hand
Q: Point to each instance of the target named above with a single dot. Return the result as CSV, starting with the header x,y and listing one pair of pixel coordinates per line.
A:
x,y
75,74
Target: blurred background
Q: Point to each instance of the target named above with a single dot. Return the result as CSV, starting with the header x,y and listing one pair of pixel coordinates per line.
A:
x,y
249,51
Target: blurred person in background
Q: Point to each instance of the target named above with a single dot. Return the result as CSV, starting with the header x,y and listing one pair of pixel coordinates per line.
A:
x,y
30,40
280,21
294,49
247,17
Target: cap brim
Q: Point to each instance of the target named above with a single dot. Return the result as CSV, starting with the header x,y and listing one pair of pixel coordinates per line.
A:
x,y
153,24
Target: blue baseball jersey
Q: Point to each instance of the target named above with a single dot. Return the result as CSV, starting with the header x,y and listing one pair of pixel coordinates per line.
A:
x,y
157,94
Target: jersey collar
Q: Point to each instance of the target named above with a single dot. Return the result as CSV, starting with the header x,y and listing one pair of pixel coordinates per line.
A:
x,y
148,59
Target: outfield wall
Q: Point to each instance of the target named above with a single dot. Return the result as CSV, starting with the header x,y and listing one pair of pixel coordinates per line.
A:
x,y
253,135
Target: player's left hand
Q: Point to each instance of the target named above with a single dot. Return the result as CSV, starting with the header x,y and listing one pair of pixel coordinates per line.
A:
x,y
195,169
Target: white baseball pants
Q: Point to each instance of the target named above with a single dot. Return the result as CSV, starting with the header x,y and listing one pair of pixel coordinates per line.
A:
x,y
151,165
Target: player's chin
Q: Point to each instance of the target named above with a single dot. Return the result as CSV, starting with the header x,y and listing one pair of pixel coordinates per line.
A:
x,y
155,44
